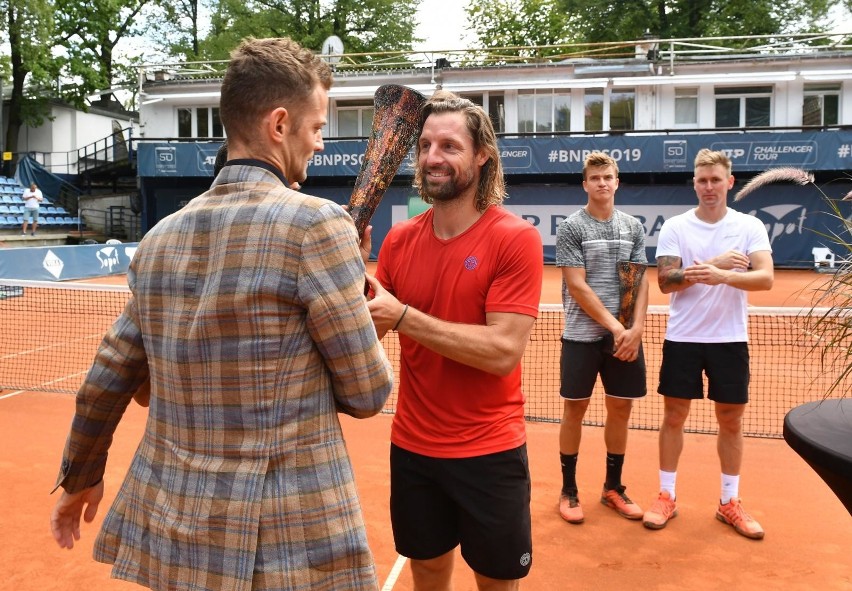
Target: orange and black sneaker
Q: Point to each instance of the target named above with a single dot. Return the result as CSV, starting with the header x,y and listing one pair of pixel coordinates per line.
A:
x,y
734,515
570,509
663,509
622,504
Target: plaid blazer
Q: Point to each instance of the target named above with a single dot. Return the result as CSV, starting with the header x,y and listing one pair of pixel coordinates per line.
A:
x,y
248,316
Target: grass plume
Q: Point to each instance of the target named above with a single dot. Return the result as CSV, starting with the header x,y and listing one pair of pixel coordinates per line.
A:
x,y
776,175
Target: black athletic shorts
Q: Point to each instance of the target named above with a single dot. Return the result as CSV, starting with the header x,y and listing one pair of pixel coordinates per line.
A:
x,y
726,366
581,362
482,503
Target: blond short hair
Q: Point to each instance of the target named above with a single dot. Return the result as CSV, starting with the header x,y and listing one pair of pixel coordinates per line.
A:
x,y
707,157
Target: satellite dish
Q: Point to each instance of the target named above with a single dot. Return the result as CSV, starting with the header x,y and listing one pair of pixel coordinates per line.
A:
x,y
332,49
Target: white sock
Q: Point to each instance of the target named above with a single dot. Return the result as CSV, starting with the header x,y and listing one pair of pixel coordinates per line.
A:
x,y
667,482
730,488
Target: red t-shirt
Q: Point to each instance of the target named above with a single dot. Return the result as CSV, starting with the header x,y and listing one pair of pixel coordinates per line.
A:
x,y
447,409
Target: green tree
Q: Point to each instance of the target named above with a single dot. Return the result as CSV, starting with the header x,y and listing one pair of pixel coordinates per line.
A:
x,y
88,33
177,27
363,25
517,23
27,28
624,20
541,22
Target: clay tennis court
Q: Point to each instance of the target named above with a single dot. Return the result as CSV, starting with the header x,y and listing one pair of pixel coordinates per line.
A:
x,y
807,543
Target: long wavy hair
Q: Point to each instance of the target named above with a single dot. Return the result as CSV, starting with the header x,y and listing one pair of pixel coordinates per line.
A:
x,y
491,189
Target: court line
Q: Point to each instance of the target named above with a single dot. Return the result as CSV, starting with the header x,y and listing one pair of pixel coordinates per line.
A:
x,y
52,346
10,394
394,574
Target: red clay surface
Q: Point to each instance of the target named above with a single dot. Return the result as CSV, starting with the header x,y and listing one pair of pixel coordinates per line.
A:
x,y
807,543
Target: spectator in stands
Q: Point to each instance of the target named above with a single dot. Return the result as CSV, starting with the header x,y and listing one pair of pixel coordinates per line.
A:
x,y
248,315
707,259
590,243
462,285
32,198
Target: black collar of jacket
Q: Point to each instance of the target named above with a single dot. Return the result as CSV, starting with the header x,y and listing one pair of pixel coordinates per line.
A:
x,y
259,164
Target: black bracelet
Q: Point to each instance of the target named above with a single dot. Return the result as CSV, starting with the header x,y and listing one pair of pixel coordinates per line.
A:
x,y
404,310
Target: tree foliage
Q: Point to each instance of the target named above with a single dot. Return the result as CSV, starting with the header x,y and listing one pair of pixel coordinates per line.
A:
x,y
517,23
88,34
592,21
364,26
27,29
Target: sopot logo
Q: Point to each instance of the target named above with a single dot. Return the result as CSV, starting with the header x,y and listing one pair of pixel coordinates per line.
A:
x,y
779,221
53,264
108,258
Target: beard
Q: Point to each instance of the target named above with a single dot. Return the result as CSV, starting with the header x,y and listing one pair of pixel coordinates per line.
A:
x,y
448,190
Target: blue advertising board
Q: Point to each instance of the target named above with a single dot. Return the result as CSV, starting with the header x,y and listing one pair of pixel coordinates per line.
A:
x,y
749,152
60,263
797,219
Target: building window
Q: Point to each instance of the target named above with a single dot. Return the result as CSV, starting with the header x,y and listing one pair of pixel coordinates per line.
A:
x,y
543,111
594,106
199,122
744,106
184,117
622,108
497,111
686,107
821,105
561,112
354,120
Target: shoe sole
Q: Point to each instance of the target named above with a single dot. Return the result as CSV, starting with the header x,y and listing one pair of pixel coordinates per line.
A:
x,y
742,532
572,521
606,503
652,525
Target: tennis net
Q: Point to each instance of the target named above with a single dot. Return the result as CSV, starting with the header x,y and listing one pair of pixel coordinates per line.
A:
x,y
50,332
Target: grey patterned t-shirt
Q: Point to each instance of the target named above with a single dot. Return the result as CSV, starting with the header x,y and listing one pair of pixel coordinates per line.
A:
x,y
583,241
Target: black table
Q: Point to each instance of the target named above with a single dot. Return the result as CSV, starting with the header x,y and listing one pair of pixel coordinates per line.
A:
x,y
821,433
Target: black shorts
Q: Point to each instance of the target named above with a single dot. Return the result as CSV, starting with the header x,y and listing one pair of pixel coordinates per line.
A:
x,y
482,503
581,363
726,366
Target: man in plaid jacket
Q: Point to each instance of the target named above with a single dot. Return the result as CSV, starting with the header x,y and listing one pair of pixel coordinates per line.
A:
x,y
249,322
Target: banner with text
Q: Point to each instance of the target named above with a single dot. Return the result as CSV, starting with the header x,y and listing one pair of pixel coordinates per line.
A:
x,y
751,152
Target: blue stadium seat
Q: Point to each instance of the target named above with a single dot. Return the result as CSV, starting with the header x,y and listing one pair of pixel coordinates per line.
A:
x,y
4,210
61,211
50,209
7,199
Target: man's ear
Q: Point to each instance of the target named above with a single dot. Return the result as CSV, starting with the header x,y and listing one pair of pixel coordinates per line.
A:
x,y
278,124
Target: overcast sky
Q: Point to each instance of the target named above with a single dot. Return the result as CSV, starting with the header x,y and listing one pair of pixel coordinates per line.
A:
x,y
441,24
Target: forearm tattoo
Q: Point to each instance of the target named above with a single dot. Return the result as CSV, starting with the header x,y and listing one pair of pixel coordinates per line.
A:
x,y
669,271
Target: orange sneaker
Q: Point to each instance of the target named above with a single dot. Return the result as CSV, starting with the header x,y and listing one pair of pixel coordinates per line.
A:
x,y
570,509
734,515
622,504
663,509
